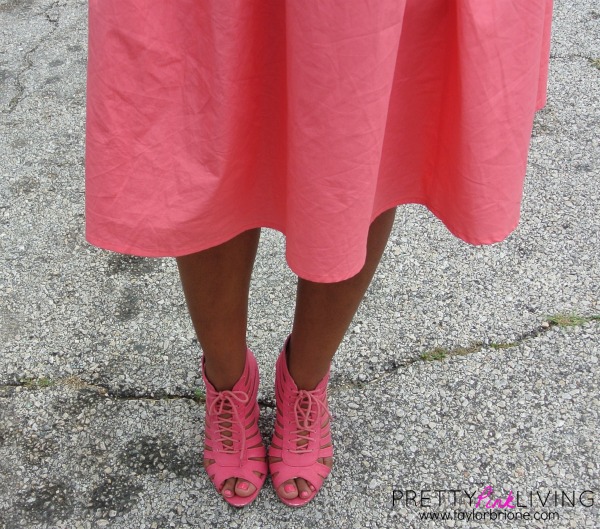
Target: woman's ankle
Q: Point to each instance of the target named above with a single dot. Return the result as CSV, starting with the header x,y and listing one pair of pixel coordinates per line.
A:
x,y
305,379
222,375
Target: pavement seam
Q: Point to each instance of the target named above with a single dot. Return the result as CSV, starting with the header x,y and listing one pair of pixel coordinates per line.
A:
x,y
571,56
593,61
440,353
437,354
53,19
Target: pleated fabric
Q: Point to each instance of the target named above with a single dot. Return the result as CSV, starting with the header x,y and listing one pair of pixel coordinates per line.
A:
x,y
206,118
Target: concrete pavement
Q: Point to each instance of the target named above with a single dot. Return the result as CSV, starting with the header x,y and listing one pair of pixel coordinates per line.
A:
x,y
465,367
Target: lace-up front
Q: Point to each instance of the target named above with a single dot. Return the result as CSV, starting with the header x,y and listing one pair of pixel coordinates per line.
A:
x,y
307,418
222,404
234,443
302,432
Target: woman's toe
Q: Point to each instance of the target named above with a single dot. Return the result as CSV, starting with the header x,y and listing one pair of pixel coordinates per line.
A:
x,y
288,489
304,490
244,487
228,488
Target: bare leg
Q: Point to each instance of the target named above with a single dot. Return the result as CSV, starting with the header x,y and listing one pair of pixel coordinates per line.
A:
x,y
323,313
216,285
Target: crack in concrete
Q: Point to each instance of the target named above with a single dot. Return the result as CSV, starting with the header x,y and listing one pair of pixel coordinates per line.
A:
x,y
52,14
552,321
103,390
571,56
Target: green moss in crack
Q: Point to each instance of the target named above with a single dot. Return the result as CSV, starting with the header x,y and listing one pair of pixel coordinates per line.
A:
x,y
567,320
199,395
503,345
32,383
439,353
461,351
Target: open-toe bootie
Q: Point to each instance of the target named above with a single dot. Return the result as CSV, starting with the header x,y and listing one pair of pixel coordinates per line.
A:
x,y
234,441
302,432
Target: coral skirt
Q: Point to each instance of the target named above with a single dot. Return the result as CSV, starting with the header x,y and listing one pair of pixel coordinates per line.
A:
x,y
206,118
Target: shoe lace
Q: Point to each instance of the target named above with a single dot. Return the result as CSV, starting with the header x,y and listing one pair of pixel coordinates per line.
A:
x,y
307,417
224,403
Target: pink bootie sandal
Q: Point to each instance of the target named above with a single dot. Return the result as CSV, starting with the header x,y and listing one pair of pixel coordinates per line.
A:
x,y
299,410
241,458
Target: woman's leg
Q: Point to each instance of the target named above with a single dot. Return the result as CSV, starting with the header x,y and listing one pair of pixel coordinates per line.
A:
x,y
323,313
216,284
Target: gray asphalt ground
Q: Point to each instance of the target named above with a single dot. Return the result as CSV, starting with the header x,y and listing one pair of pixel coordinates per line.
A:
x,y
464,366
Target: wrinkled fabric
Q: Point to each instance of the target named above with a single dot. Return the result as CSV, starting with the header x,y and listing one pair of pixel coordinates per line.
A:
x,y
208,118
